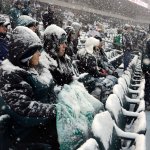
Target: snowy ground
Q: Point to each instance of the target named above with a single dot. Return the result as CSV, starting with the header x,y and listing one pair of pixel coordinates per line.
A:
x,y
148,130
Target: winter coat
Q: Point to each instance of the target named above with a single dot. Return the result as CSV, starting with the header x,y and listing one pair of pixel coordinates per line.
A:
x,y
88,63
30,101
48,18
63,71
3,47
14,14
71,51
127,41
26,10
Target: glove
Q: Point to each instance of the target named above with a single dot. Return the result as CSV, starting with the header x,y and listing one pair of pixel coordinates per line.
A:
x,y
103,72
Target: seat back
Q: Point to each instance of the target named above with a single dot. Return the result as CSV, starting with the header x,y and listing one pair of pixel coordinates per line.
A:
x,y
118,90
127,79
113,105
122,82
104,132
90,144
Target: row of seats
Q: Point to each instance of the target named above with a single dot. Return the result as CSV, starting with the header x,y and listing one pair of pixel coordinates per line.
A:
x,y
123,124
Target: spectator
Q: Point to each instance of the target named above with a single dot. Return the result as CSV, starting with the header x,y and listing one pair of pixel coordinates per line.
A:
x,y
70,38
26,10
29,22
118,40
48,17
29,100
55,39
127,43
3,39
15,13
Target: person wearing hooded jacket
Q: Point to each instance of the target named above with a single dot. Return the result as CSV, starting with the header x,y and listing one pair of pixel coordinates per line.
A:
x,y
88,62
4,41
55,39
27,97
29,22
70,38
15,12
128,45
26,10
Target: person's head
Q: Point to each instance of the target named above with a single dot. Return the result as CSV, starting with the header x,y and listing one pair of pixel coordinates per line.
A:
x,y
55,39
70,33
77,28
119,31
3,25
28,21
91,44
99,27
26,3
18,4
100,41
25,47
127,27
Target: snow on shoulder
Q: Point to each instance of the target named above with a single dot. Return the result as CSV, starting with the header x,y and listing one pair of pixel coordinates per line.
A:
x,y
8,67
54,29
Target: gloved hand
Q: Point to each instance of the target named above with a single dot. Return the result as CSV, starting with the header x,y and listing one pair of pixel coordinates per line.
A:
x,y
103,72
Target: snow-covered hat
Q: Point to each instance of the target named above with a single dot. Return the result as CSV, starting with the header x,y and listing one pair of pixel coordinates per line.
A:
x,y
25,20
55,34
76,26
53,37
90,44
24,43
69,29
3,21
99,27
127,26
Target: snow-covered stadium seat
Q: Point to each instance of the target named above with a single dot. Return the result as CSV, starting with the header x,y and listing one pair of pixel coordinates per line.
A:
x,y
120,115
109,136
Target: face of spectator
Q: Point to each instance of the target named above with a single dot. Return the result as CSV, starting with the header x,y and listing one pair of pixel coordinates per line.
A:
x,y
3,29
62,47
19,6
34,61
129,29
34,28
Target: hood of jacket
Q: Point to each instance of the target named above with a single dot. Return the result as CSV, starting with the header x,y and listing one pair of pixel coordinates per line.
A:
x,y
23,41
90,44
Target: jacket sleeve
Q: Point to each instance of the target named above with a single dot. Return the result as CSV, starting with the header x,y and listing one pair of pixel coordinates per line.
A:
x,y
19,96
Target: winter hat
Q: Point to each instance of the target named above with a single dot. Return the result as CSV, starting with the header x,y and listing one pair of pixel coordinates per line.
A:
x,y
76,26
24,43
99,27
69,30
127,26
90,44
18,2
55,34
26,21
3,21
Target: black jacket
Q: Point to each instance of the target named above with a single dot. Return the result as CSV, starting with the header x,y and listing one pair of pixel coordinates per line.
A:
x,y
88,63
26,96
